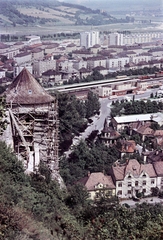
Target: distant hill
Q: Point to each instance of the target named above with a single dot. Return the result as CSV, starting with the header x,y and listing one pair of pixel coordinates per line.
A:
x,y
39,12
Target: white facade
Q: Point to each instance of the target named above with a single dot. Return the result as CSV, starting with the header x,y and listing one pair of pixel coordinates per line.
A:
x,y
141,38
131,185
31,40
117,63
115,39
23,58
79,64
42,66
18,69
104,91
89,39
2,73
140,58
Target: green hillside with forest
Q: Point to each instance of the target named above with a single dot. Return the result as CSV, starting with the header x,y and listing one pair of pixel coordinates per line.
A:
x,y
34,207
50,13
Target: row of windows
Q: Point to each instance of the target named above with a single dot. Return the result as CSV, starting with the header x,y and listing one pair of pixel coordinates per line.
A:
x,y
129,191
129,184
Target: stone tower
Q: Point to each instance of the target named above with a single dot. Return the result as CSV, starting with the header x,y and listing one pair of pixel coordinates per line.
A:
x,y
32,114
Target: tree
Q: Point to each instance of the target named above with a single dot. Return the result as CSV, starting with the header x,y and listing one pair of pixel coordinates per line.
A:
x,y
92,104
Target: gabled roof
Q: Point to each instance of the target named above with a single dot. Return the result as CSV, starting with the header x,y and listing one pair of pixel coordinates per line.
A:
x,y
26,90
91,181
158,168
158,133
133,167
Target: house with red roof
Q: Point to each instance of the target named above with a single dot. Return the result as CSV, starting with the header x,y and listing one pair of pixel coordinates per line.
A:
x,y
133,178
98,185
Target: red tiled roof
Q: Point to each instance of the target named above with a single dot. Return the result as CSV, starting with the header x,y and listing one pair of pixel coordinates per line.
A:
x,y
158,168
133,167
95,178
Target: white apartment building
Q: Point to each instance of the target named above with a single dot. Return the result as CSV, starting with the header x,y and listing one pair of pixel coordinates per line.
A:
x,y
23,57
141,38
141,58
42,66
89,39
115,39
119,39
117,63
78,64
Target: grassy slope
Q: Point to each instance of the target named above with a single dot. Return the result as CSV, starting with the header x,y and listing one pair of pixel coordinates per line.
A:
x,y
31,207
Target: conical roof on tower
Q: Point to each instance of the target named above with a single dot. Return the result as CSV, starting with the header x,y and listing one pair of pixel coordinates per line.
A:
x,y
26,90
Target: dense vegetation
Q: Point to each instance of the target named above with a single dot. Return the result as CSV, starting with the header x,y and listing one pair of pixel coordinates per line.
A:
x,y
135,107
96,75
33,207
74,115
84,158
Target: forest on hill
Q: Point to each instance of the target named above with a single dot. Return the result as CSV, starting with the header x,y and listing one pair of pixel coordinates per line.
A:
x,y
34,207
32,13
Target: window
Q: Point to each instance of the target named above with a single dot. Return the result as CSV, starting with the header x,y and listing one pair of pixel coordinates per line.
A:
x,y
144,190
119,184
144,183
129,192
144,175
119,193
152,181
136,183
129,184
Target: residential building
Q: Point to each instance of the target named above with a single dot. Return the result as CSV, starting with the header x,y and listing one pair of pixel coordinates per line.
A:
x,y
24,57
17,69
126,147
93,62
37,54
141,37
109,135
42,66
98,185
89,39
51,78
115,39
133,178
84,72
117,63
119,123
80,63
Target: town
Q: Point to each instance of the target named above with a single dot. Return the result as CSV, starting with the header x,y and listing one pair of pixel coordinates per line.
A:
x,y
56,64
81,136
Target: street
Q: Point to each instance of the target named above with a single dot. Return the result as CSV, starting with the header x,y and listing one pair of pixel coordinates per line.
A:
x,y
98,120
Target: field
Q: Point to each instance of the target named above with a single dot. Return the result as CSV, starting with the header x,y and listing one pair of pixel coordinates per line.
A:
x,y
39,30
47,13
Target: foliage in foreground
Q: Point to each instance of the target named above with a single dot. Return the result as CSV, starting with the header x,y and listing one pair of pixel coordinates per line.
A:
x,y
33,207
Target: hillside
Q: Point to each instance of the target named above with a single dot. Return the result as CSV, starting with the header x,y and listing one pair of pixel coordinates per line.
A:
x,y
50,13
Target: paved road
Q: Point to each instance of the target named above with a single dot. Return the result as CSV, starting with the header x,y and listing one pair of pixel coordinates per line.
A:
x,y
98,121
150,200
